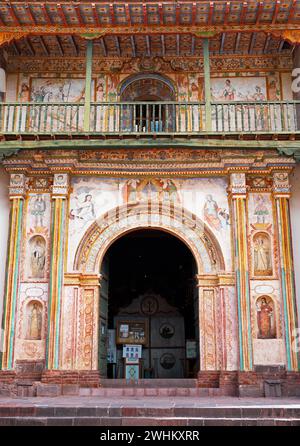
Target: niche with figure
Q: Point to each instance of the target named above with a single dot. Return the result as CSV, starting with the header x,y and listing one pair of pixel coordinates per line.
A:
x,y
265,317
34,318
262,258
37,252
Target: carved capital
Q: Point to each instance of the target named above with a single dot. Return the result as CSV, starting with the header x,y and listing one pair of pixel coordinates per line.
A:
x,y
17,185
8,37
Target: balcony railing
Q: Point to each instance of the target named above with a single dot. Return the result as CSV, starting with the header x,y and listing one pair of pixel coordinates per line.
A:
x,y
117,118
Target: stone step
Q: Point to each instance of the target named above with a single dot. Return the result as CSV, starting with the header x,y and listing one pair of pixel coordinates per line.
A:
x,y
148,391
147,421
116,383
120,409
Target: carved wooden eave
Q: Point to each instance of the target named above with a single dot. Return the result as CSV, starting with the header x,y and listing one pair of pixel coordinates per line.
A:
x,y
241,149
8,37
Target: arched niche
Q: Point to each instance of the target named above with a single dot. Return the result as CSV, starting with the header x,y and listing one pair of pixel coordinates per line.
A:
x,y
265,317
37,257
262,255
34,320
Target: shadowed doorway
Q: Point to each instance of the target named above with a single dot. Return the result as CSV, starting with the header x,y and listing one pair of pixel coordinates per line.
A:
x,y
149,299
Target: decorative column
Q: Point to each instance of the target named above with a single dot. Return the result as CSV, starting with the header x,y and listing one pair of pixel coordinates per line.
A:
x,y
88,85
281,188
17,193
296,83
207,85
59,195
239,217
2,83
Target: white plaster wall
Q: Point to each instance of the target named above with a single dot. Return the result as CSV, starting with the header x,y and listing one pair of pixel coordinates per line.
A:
x,y
4,222
295,221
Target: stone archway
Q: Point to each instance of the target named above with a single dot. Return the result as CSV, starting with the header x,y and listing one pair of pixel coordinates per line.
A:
x,y
173,219
184,225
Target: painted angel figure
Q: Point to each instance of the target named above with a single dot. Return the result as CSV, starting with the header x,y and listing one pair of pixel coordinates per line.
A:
x,y
85,210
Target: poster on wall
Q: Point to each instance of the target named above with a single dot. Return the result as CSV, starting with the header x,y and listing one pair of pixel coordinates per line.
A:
x,y
132,351
132,371
191,349
111,347
132,332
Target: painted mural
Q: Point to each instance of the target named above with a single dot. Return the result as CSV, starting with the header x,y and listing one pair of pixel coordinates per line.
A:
x,y
239,89
206,198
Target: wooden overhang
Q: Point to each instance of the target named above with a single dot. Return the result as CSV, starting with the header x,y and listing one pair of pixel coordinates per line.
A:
x,y
150,27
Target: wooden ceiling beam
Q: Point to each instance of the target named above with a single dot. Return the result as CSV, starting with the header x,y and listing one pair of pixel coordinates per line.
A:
x,y
280,47
177,12
62,14
145,17
13,15
33,21
74,45
78,15
95,15
163,45
104,49
222,43
112,13
237,42
211,13
193,46
117,42
292,11
133,46
274,18
127,12
29,46
259,12
161,14
177,45
15,47
44,46
267,41
60,48
46,14
148,46
194,13
226,14
244,12
252,43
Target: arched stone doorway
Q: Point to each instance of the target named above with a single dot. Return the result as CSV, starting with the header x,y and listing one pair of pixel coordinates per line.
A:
x,y
153,111
213,284
149,299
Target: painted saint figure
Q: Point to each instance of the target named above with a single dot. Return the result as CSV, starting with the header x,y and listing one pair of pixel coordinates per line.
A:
x,y
38,210
38,258
229,91
261,210
35,323
169,190
211,213
264,319
262,257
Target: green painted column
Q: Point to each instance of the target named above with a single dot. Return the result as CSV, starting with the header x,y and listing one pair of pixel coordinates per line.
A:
x,y
88,86
207,85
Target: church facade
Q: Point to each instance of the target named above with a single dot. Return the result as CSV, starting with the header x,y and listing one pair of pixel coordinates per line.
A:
x,y
182,128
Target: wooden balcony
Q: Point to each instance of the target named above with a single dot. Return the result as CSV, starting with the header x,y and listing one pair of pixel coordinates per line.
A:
x,y
149,119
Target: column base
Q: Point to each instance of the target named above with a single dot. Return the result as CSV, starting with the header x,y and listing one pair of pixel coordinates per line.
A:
x,y
262,382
